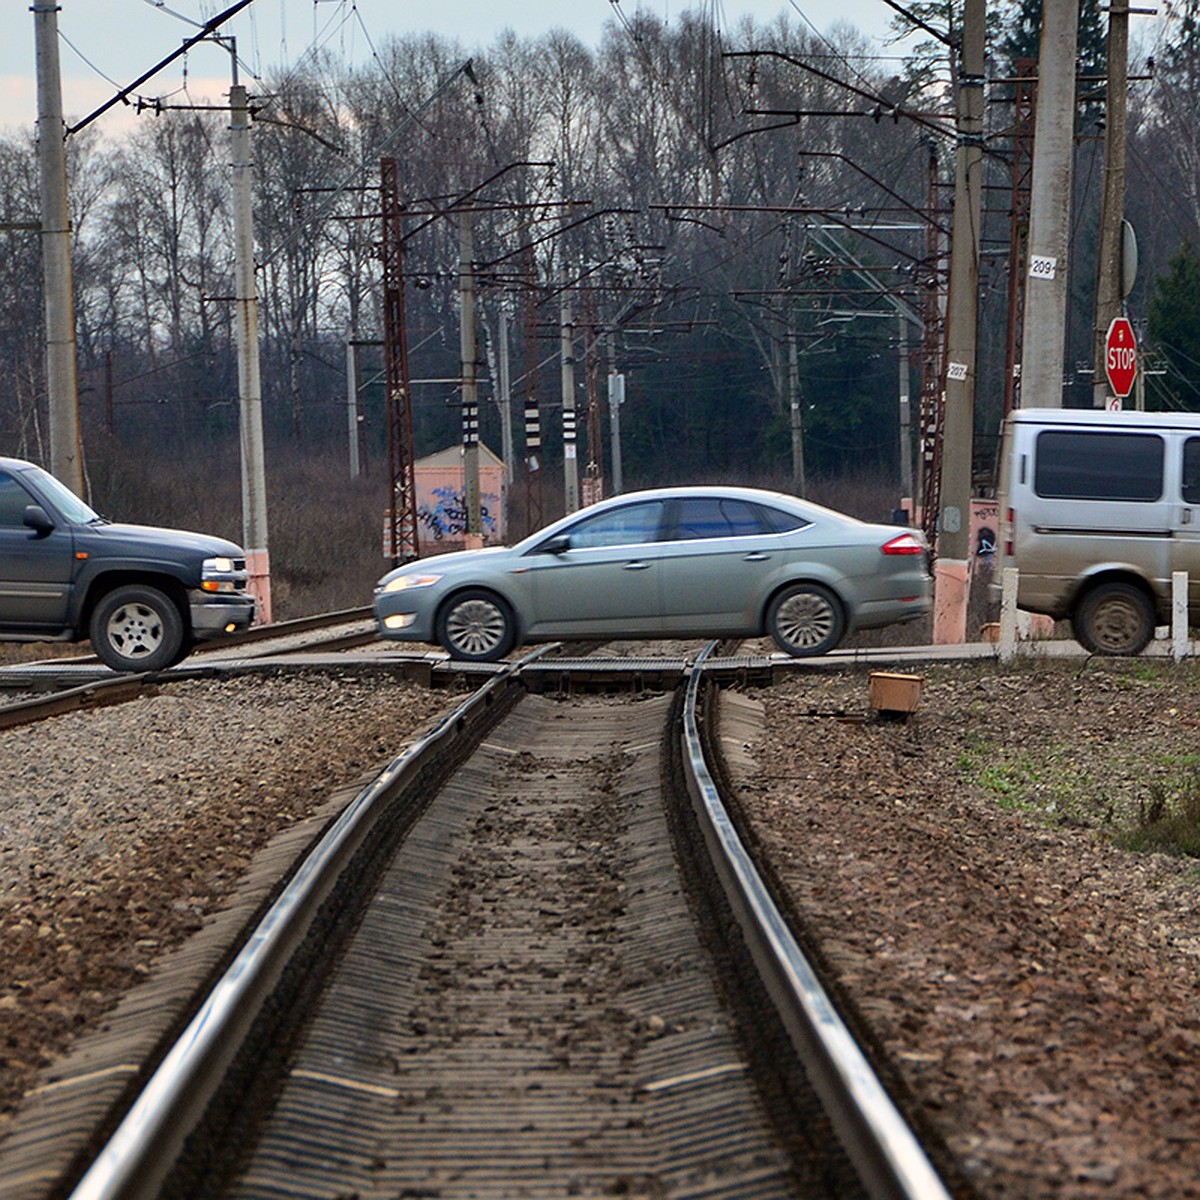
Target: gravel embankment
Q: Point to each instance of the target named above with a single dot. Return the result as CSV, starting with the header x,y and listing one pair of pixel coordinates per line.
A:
x,y
1035,985
121,829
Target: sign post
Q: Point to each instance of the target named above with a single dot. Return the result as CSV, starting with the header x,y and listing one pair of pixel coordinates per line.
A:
x,y
1120,357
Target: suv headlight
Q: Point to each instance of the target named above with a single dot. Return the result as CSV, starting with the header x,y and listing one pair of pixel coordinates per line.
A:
x,y
222,574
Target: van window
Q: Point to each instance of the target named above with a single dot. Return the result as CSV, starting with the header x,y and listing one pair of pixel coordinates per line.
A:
x,y
1098,466
1191,471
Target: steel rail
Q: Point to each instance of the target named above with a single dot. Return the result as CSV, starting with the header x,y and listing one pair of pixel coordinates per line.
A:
x,y
140,1153
255,633
97,694
259,633
888,1157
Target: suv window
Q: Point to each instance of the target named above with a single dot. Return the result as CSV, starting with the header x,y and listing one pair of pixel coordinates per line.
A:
x,y
1077,465
13,501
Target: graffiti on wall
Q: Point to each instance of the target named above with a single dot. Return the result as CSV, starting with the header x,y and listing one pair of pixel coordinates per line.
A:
x,y
443,515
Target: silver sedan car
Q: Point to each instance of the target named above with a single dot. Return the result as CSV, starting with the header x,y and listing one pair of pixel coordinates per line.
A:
x,y
668,563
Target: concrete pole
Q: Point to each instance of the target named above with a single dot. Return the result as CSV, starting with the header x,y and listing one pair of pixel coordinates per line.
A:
x,y
352,403
906,465
506,429
799,481
1109,281
470,390
570,446
616,397
254,476
952,568
62,381
1045,324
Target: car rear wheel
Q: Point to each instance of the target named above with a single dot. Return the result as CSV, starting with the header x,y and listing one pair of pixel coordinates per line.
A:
x,y
476,626
806,619
1114,618
137,628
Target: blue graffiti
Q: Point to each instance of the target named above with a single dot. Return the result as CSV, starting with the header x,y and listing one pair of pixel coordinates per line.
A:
x,y
448,516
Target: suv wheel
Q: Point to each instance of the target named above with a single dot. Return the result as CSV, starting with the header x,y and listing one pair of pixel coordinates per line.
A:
x,y
1114,618
137,628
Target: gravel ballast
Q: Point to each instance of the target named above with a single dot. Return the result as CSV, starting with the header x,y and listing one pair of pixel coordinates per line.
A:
x,y
123,828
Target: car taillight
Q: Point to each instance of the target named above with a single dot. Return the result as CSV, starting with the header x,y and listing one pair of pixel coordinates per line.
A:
x,y
1010,519
906,543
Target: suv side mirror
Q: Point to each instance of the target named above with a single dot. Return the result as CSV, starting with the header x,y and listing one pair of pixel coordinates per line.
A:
x,y
38,519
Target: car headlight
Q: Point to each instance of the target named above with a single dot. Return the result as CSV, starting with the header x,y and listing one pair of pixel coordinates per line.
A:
x,y
402,583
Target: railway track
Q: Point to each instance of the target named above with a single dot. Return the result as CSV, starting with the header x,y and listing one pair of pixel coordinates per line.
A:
x,y
50,687
530,998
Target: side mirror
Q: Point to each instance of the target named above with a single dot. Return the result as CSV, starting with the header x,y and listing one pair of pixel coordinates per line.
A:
x,y
556,545
38,519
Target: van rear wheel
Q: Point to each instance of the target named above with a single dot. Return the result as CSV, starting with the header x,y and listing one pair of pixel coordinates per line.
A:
x,y
1114,618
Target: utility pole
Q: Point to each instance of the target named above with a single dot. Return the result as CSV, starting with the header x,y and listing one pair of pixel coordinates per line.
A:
x,y
470,390
352,402
616,397
799,482
62,380
952,568
1110,289
506,430
1044,331
254,476
570,450
906,469
534,507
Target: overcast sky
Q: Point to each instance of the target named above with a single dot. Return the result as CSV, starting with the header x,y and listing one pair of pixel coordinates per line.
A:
x,y
109,43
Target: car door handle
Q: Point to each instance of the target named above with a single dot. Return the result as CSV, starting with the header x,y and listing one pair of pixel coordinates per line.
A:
x,y
637,565
756,557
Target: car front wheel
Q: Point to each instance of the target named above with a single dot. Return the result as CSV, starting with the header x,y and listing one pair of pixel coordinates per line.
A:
x,y
476,626
806,619
1114,618
137,628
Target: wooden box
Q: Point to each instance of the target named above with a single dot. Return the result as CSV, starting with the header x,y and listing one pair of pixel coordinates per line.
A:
x,y
895,693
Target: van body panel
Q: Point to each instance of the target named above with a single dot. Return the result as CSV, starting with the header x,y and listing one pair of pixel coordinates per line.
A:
x,y
1088,495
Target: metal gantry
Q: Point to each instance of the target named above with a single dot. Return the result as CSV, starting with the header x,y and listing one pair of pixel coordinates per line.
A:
x,y
402,536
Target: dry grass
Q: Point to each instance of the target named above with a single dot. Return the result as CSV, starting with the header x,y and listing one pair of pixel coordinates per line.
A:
x,y
325,530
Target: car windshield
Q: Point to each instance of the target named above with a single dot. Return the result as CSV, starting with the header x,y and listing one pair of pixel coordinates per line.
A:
x,y
65,500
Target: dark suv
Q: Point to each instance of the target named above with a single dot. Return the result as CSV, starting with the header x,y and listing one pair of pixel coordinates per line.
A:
x,y
143,596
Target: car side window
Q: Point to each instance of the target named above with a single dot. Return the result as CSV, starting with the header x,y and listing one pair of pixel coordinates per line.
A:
x,y
718,517
629,525
13,501
1191,471
783,522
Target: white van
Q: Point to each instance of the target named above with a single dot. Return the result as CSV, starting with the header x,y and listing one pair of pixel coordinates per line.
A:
x,y
1097,509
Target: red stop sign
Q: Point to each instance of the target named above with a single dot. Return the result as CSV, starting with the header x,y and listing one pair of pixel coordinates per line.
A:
x,y
1120,356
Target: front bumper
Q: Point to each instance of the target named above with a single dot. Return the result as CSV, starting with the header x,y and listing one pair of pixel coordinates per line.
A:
x,y
213,616
402,619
